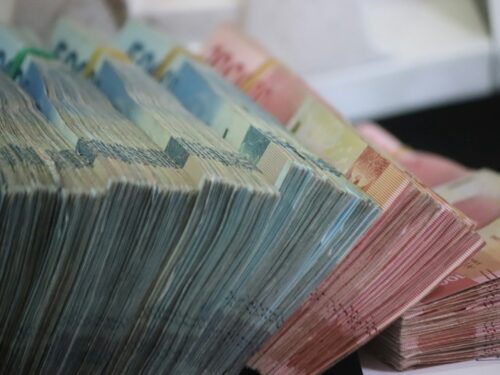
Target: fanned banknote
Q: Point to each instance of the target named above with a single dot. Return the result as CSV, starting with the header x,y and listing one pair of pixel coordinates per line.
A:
x,y
282,164
382,276
316,220
93,232
460,319
145,210
220,238
149,59
255,71
419,237
48,193
155,219
324,131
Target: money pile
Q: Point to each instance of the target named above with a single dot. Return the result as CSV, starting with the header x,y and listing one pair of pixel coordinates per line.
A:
x,y
49,194
171,225
460,319
416,242
450,325
318,210
112,234
149,243
88,213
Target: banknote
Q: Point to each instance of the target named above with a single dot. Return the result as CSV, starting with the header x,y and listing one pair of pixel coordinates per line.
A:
x,y
326,199
249,66
156,218
202,91
458,320
149,56
430,168
96,171
342,322
233,55
478,196
242,123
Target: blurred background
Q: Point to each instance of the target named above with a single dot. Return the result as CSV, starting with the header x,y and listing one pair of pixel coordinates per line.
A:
x,y
428,70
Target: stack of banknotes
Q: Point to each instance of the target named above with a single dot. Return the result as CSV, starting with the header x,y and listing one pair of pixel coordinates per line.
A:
x,y
460,319
157,220
149,244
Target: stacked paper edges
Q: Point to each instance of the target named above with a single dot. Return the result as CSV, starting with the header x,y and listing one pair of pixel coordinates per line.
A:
x,y
168,224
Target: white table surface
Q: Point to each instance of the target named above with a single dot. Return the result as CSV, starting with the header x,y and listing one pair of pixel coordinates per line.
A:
x,y
372,366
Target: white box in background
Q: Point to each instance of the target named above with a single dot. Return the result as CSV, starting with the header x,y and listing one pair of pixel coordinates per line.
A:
x,y
434,52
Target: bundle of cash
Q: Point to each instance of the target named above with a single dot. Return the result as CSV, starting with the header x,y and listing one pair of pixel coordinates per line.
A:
x,y
460,319
135,207
189,247
49,194
421,242
169,224
318,218
415,243
239,197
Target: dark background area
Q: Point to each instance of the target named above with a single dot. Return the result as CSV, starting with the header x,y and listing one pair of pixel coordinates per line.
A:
x,y
467,132
348,366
